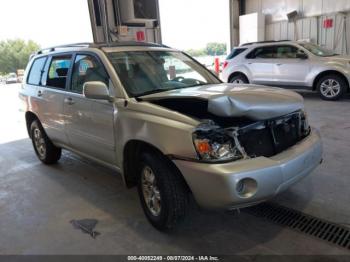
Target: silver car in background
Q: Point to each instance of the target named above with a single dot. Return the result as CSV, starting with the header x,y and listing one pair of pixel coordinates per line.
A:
x,y
290,64
168,126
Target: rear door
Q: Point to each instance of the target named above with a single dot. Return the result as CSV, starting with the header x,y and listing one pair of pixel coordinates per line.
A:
x,y
261,64
89,123
51,94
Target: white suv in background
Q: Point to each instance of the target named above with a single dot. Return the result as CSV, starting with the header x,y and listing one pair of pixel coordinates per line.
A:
x,y
289,64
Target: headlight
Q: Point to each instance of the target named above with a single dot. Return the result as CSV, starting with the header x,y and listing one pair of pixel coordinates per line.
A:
x,y
214,145
305,127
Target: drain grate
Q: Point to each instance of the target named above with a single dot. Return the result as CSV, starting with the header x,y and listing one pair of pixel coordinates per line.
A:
x,y
321,229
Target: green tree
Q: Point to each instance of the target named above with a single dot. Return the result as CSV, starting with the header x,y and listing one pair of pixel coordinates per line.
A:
x,y
14,54
196,52
215,49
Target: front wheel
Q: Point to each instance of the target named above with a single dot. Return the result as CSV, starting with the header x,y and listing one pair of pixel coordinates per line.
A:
x,y
46,151
331,87
162,191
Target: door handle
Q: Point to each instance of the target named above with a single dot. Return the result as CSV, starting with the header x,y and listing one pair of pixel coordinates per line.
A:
x,y
69,101
279,64
40,93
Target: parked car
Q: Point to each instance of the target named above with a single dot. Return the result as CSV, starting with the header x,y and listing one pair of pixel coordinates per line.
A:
x,y
290,64
20,73
11,78
168,125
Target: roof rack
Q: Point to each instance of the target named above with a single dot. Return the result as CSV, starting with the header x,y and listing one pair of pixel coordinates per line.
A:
x,y
128,43
97,45
53,48
265,42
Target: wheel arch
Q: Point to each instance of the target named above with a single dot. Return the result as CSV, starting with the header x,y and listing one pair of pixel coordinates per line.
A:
x,y
30,118
131,159
329,72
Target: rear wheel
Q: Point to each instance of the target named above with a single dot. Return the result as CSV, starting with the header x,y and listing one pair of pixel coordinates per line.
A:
x,y
162,192
239,79
331,87
46,151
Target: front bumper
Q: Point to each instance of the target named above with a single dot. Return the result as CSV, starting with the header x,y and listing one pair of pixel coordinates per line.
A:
x,y
215,185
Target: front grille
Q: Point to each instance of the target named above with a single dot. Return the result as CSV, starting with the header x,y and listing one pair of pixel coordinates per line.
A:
x,y
271,137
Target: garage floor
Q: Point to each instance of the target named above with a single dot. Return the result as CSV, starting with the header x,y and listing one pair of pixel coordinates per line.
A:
x,y
38,202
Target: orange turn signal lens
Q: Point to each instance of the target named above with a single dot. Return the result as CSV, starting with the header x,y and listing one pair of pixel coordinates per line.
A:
x,y
203,147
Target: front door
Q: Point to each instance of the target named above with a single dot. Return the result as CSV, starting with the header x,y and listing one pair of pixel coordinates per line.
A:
x,y
290,70
88,122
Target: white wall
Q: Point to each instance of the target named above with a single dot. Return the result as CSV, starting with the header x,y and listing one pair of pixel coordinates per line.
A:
x,y
310,26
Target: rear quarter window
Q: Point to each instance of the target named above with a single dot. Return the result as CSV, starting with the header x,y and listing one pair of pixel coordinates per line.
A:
x,y
36,71
235,52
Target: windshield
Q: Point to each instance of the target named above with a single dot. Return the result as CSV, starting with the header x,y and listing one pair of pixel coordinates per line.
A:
x,y
317,50
148,72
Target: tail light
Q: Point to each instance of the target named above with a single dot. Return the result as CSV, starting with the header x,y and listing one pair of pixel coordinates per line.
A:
x,y
225,65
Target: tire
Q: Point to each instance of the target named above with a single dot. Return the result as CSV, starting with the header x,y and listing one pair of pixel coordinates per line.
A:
x,y
239,79
170,194
331,87
45,150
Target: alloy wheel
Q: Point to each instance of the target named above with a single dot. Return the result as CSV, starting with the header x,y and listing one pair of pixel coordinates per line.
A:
x,y
238,81
39,142
150,191
330,88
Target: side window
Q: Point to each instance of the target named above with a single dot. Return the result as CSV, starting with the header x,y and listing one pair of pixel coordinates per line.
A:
x,y
235,53
86,69
263,52
58,71
36,71
286,51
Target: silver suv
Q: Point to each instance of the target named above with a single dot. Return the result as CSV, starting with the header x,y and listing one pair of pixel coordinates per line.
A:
x,y
168,126
290,64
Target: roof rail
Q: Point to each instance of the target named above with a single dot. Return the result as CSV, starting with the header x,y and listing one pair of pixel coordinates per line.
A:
x,y
128,43
98,45
265,42
53,48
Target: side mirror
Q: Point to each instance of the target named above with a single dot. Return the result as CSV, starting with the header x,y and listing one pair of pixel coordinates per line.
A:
x,y
302,56
96,90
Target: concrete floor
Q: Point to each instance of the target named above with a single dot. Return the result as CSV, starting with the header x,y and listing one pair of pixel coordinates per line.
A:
x,y
38,202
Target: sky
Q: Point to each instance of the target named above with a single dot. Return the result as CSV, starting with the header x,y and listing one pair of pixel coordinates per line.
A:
x,y
186,24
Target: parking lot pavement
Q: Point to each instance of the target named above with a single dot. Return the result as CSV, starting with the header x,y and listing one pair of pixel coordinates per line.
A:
x,y
38,202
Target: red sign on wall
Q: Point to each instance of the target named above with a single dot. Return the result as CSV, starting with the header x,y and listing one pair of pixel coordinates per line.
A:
x,y
328,23
140,36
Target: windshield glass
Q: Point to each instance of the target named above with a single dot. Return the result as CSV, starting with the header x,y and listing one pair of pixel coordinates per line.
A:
x,y
148,72
317,50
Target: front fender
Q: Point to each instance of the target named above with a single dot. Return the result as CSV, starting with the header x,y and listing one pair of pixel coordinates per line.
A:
x,y
330,66
164,129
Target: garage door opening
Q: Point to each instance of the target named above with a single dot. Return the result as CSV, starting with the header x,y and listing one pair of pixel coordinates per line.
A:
x,y
199,27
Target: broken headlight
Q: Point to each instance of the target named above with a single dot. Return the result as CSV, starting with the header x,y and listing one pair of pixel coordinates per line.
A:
x,y
214,144
304,124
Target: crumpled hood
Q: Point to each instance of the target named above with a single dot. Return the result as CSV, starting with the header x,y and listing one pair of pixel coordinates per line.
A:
x,y
230,100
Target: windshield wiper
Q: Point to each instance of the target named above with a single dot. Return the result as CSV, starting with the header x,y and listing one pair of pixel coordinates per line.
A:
x,y
204,84
154,91
160,90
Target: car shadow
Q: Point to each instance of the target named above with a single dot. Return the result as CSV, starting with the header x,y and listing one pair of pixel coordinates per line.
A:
x,y
203,232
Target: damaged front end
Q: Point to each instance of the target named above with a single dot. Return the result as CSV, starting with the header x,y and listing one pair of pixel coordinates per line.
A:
x,y
266,138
